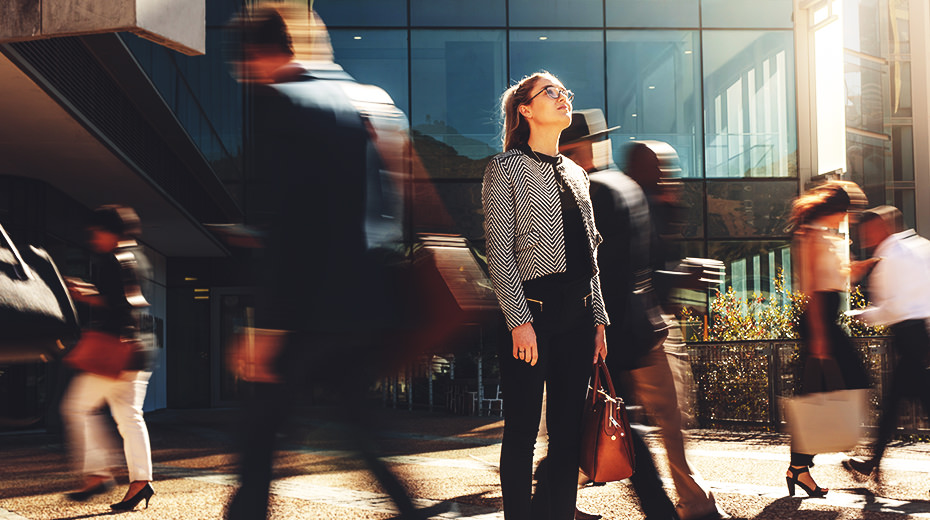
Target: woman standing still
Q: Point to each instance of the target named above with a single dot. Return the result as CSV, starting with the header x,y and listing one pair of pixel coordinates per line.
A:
x,y
823,270
542,259
113,297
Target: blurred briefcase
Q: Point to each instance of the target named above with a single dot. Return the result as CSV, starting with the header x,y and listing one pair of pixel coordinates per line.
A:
x,y
36,310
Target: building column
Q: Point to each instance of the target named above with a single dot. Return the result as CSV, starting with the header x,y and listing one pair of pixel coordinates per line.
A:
x,y
920,95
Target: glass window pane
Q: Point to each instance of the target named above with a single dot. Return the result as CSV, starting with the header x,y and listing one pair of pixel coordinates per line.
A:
x,y
458,13
767,14
455,113
448,207
865,85
904,201
653,94
868,164
654,13
556,13
901,89
362,13
752,266
575,57
862,26
377,57
749,104
749,209
902,145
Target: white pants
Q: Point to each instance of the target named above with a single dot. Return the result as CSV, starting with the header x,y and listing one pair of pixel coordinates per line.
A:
x,y
91,441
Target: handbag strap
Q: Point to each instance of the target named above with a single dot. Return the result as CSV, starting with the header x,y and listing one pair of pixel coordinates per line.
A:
x,y
607,386
22,270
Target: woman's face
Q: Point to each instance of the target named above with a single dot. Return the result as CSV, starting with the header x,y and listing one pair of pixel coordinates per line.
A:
x,y
545,110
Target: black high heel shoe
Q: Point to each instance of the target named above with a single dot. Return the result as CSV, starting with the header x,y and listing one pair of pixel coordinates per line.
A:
x,y
130,503
816,492
98,489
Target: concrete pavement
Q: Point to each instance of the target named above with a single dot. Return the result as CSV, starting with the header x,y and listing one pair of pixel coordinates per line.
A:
x,y
449,465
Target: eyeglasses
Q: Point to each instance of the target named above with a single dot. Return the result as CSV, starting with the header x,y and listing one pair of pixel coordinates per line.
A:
x,y
554,92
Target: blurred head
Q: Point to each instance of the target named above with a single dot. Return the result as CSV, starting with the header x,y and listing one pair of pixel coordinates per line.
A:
x,y
652,164
585,141
827,203
264,39
877,224
537,100
110,225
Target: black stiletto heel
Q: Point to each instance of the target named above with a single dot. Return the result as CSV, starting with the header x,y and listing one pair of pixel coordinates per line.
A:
x,y
816,492
130,503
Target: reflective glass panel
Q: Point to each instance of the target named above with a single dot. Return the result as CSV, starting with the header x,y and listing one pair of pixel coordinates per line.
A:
x,y
362,13
448,207
654,13
763,14
653,93
556,13
455,115
904,201
575,57
862,26
752,266
868,163
750,121
458,13
902,146
749,209
865,87
376,57
901,89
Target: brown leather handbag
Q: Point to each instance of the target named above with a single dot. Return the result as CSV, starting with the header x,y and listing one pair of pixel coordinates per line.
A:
x,y
104,354
606,444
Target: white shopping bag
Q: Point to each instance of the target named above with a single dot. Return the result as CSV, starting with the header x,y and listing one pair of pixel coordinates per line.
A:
x,y
826,422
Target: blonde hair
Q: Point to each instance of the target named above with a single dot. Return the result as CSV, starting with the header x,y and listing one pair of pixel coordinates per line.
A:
x,y
516,130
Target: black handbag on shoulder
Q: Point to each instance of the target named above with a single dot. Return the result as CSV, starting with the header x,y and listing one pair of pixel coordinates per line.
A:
x,y
36,310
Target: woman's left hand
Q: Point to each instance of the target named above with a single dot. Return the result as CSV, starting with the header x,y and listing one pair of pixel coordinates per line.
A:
x,y
600,343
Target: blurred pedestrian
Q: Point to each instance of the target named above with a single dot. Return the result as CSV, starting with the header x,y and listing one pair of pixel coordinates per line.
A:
x,y
320,316
654,166
542,259
899,286
822,268
622,214
113,296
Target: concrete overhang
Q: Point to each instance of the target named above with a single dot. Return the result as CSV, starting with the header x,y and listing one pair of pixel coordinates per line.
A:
x,y
177,24
39,139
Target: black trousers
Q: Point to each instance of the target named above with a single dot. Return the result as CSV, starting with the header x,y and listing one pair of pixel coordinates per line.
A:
x,y
564,324
909,380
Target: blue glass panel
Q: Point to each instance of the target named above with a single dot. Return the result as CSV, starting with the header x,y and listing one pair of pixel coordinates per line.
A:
x,y
653,13
376,57
750,122
220,12
556,13
454,117
575,57
653,93
749,209
762,14
362,13
454,13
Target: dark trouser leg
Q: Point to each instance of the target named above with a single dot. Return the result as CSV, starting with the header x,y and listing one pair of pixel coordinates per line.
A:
x,y
889,420
568,371
801,459
523,388
648,486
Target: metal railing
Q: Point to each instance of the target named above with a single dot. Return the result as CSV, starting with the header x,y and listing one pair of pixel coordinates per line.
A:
x,y
740,384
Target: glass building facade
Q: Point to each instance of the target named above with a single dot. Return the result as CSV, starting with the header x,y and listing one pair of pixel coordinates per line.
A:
x,y
714,78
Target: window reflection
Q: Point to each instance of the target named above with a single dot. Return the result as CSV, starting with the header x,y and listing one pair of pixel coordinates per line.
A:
x,y
749,209
449,207
862,26
753,266
867,163
654,13
767,14
454,117
376,57
359,13
749,104
653,85
865,80
556,13
458,13
575,57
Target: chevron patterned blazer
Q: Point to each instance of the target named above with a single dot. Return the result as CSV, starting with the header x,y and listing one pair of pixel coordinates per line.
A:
x,y
523,228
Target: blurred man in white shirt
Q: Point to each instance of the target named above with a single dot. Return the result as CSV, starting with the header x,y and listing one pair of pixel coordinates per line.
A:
x,y
899,287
